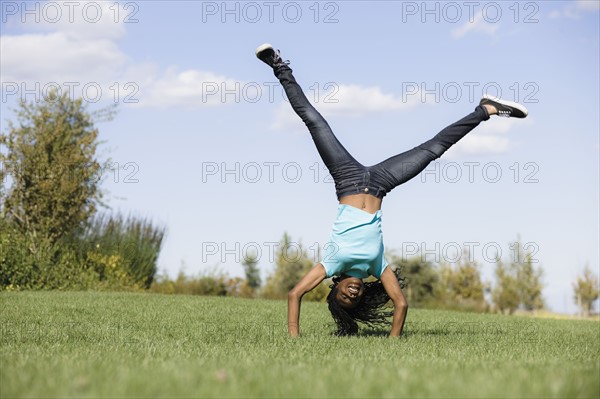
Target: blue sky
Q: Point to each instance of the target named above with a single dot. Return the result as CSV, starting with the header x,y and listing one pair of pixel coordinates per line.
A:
x,y
205,143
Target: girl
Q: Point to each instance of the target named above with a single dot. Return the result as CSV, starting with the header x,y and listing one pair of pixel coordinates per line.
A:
x,y
356,239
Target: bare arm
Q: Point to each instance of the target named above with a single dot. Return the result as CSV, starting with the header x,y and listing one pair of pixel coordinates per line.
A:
x,y
392,287
308,282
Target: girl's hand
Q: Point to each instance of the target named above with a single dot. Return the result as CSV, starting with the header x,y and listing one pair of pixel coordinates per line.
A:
x,y
313,278
392,287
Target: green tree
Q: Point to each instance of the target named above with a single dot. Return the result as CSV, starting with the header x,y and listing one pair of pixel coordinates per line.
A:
x,y
52,164
421,280
291,264
49,188
505,294
50,236
518,283
461,286
586,291
251,270
529,279
118,246
530,285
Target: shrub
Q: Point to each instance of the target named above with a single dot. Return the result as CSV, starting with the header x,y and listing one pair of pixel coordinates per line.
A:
x,y
212,283
121,249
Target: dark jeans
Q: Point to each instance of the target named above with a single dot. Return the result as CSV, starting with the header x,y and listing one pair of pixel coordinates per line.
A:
x,y
349,175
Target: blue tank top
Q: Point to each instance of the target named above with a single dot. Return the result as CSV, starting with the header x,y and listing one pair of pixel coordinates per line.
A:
x,y
355,247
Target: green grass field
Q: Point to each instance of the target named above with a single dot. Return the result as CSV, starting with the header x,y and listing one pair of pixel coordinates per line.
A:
x,y
87,344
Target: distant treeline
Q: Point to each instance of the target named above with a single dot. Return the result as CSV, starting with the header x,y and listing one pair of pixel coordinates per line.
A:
x,y
459,286
53,236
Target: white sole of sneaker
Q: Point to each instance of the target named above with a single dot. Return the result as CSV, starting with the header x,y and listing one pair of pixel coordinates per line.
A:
x,y
262,47
507,103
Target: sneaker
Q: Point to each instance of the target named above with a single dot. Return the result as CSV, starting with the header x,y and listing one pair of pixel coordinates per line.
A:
x,y
505,108
267,54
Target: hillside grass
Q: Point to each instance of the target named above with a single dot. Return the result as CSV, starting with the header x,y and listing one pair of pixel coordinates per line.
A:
x,y
92,344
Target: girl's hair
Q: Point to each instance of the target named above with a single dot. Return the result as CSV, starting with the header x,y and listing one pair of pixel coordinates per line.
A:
x,y
369,311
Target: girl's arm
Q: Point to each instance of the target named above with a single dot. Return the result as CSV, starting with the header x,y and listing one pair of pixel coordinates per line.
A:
x,y
392,287
308,282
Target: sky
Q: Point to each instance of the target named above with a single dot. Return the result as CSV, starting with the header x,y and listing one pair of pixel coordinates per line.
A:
x,y
205,143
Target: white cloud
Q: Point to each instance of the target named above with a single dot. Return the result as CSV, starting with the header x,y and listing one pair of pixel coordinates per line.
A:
x,y
477,143
348,100
79,19
574,10
588,5
72,48
189,88
477,25
58,57
490,137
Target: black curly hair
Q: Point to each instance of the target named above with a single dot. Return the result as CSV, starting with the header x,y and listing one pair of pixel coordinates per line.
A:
x,y
369,311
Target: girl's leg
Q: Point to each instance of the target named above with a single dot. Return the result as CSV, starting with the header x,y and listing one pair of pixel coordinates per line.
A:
x,y
338,160
400,168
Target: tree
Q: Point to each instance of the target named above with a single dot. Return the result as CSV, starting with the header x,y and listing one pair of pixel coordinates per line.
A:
x,y
586,291
529,279
51,161
50,236
291,264
251,270
132,243
461,286
49,189
505,294
518,283
421,279
530,285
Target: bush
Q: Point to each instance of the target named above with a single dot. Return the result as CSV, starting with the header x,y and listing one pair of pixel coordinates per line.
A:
x,y
112,253
25,264
123,250
50,237
212,283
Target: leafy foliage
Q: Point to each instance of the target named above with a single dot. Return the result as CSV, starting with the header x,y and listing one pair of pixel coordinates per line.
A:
x,y
291,264
50,234
518,283
460,287
210,282
129,244
251,270
51,160
421,279
586,291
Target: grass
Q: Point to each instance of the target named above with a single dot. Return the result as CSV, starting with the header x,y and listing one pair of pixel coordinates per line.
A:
x,y
88,344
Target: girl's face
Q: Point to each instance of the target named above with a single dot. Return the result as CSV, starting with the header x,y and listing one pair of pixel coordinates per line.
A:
x,y
349,292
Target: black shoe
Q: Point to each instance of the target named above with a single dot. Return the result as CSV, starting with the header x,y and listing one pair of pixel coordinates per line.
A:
x,y
505,108
267,54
